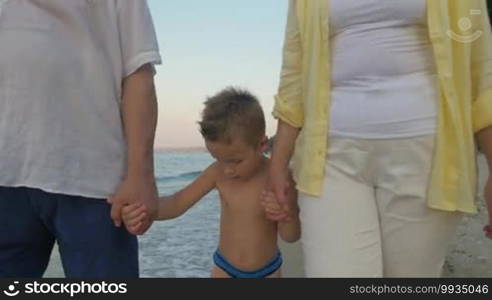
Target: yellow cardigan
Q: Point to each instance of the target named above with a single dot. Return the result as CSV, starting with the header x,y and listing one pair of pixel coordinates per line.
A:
x,y
465,105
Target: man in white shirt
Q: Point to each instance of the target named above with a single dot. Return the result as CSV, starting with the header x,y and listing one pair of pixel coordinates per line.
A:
x,y
77,121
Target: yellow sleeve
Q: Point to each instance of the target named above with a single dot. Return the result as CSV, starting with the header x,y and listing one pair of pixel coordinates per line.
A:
x,y
289,101
481,69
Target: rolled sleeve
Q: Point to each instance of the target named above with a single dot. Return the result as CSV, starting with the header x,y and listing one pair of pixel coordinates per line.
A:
x,y
137,36
289,101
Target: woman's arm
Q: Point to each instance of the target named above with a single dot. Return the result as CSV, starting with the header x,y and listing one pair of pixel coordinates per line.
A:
x,y
289,109
284,144
288,101
283,149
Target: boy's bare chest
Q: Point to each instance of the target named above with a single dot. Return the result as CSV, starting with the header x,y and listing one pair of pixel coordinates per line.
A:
x,y
241,197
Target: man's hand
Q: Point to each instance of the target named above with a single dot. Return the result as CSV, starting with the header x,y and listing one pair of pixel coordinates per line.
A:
x,y
488,200
135,191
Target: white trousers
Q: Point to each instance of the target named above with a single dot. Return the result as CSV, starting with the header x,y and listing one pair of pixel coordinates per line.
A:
x,y
372,219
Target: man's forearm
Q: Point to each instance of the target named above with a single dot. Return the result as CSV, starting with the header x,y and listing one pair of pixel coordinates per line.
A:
x,y
139,113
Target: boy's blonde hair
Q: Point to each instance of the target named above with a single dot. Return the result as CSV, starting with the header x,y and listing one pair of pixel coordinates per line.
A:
x,y
233,113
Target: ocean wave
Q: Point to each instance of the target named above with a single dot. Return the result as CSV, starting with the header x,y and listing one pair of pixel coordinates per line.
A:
x,y
184,176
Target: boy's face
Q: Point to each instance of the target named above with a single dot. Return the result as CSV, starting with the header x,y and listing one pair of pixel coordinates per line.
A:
x,y
238,159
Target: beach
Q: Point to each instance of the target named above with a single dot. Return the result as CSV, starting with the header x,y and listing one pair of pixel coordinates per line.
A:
x,y
183,247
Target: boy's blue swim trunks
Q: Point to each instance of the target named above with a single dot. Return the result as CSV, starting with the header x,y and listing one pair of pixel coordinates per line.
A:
x,y
271,267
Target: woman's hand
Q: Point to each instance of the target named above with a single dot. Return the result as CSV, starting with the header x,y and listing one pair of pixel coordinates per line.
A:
x,y
273,210
278,187
279,179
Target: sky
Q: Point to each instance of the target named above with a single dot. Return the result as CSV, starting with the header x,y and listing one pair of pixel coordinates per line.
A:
x,y
207,46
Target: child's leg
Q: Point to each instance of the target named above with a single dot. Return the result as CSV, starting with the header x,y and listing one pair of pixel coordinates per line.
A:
x,y
218,273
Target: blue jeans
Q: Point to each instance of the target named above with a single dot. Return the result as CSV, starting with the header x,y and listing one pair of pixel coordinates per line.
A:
x,y
90,245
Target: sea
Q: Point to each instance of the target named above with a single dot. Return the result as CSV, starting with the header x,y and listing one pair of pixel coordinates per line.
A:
x,y
182,247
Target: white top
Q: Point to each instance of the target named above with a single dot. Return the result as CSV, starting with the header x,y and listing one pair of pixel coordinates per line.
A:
x,y
61,69
384,83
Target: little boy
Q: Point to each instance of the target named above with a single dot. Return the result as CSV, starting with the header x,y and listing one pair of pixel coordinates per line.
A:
x,y
233,126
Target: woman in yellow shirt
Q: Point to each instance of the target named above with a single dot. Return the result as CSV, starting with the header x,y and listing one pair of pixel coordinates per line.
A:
x,y
381,105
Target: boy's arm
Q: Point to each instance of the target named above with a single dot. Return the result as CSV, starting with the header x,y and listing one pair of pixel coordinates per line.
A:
x,y
290,228
174,206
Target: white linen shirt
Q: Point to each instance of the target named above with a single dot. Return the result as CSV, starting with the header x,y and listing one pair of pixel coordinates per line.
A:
x,y
62,63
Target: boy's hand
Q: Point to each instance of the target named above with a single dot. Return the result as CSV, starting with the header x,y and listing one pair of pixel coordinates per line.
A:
x,y
273,210
133,216
488,201
132,191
